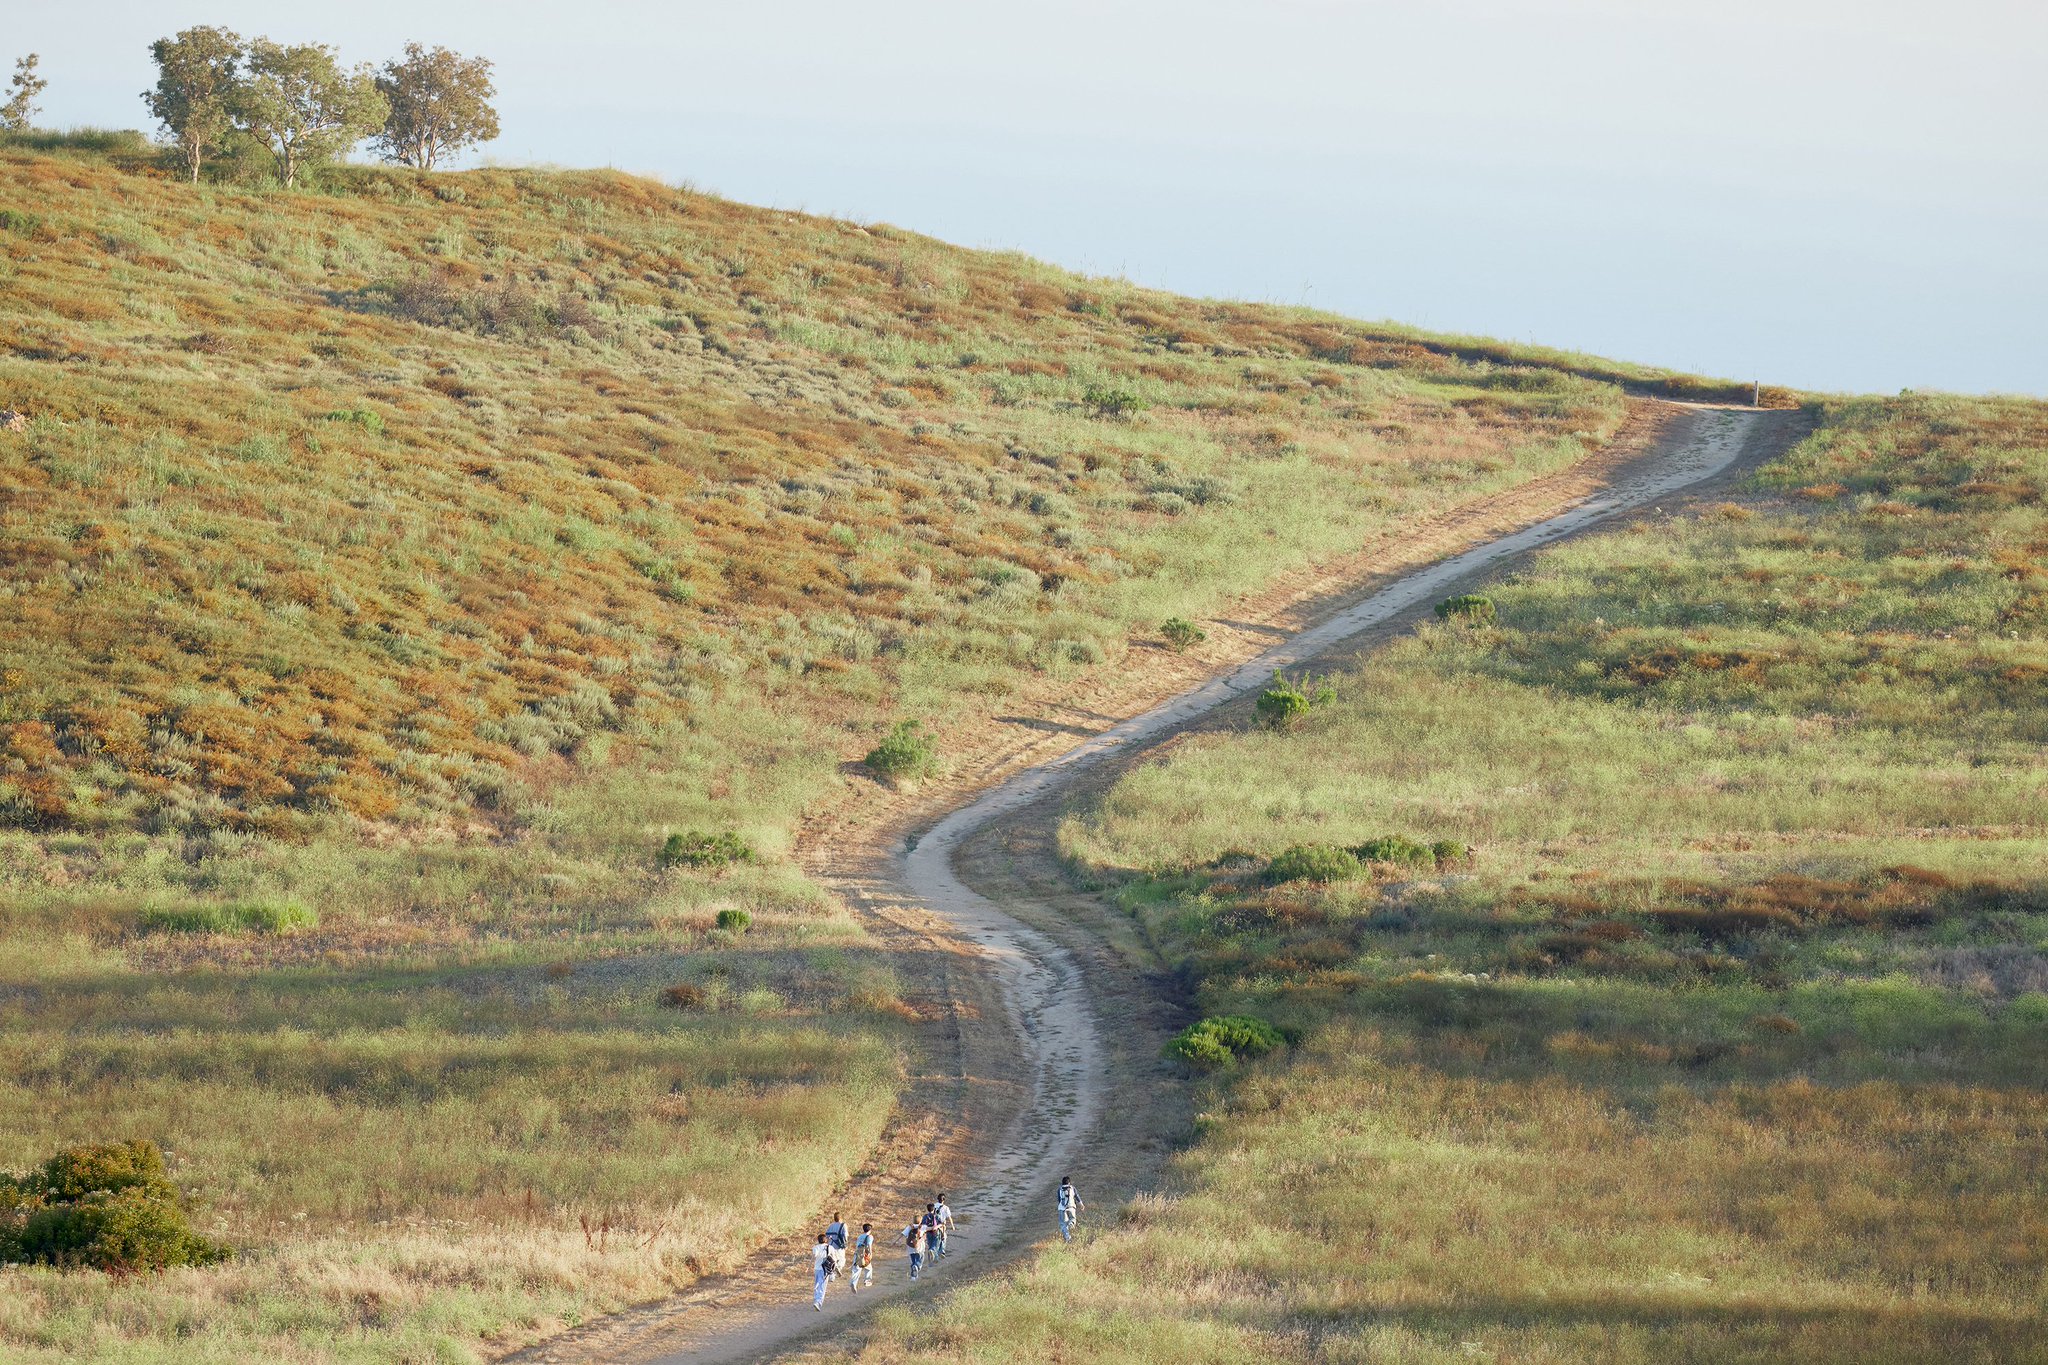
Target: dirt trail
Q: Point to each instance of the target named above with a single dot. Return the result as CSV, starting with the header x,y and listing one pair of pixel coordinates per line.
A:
x,y
1045,1057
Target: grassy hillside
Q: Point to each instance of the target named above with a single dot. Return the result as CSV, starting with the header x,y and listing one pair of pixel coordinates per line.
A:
x,y
1723,1044
384,502
387,572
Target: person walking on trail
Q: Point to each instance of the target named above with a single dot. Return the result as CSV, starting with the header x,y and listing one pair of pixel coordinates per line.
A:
x,y
822,1266
913,1238
945,1223
835,1234
931,1233
863,1258
1070,1207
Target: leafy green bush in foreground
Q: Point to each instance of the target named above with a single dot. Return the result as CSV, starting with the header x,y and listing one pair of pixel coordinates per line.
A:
x,y
735,920
109,1206
1222,1039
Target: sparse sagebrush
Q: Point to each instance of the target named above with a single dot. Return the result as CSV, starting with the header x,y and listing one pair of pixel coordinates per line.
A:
x,y
1182,635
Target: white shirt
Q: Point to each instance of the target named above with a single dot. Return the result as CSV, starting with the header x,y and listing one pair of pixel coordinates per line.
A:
x,y
818,1255
945,1215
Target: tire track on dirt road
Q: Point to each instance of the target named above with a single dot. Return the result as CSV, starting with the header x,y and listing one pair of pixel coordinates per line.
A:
x,y
1054,1056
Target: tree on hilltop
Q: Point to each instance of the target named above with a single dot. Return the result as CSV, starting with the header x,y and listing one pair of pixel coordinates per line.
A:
x,y
303,105
197,75
21,95
440,103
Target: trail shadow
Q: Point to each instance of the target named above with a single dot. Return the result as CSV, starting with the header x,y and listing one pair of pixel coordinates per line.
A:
x,y
1271,632
1050,727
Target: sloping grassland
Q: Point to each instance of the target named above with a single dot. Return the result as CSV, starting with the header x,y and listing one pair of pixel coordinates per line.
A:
x,y
386,572
1724,1043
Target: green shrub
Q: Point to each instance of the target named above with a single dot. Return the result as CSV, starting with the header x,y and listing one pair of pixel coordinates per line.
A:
x,y
14,220
906,752
698,849
1397,849
1182,635
1312,863
1104,401
735,920
244,917
361,417
1221,1040
1282,705
105,1168
1470,608
108,1207
1449,851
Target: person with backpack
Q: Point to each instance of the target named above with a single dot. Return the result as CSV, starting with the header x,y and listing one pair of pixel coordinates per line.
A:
x,y
1070,1207
913,1238
863,1258
945,1223
835,1234
930,1219
822,1266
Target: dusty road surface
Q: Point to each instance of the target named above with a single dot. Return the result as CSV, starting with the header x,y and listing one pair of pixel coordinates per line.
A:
x,y
1049,1062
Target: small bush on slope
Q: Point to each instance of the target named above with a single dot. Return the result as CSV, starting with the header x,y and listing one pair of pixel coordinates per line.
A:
x,y
700,850
1223,1039
906,753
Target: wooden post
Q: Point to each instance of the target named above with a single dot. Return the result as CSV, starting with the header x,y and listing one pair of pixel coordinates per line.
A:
x,y
1756,398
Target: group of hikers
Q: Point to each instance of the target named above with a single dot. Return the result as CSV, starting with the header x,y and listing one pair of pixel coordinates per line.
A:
x,y
925,1238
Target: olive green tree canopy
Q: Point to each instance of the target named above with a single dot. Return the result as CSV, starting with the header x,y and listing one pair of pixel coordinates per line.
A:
x,y
197,73
21,95
440,103
304,105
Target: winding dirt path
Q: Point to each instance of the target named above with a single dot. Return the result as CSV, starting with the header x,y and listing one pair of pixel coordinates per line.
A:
x,y
1050,1013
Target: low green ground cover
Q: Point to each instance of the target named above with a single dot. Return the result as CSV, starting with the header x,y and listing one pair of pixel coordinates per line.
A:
x,y
1725,1041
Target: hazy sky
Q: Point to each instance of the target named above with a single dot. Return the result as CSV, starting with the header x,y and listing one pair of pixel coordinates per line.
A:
x,y
1831,193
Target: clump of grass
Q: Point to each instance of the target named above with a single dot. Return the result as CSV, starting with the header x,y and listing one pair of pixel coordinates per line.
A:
x,y
735,920
1471,608
234,917
697,849
908,752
